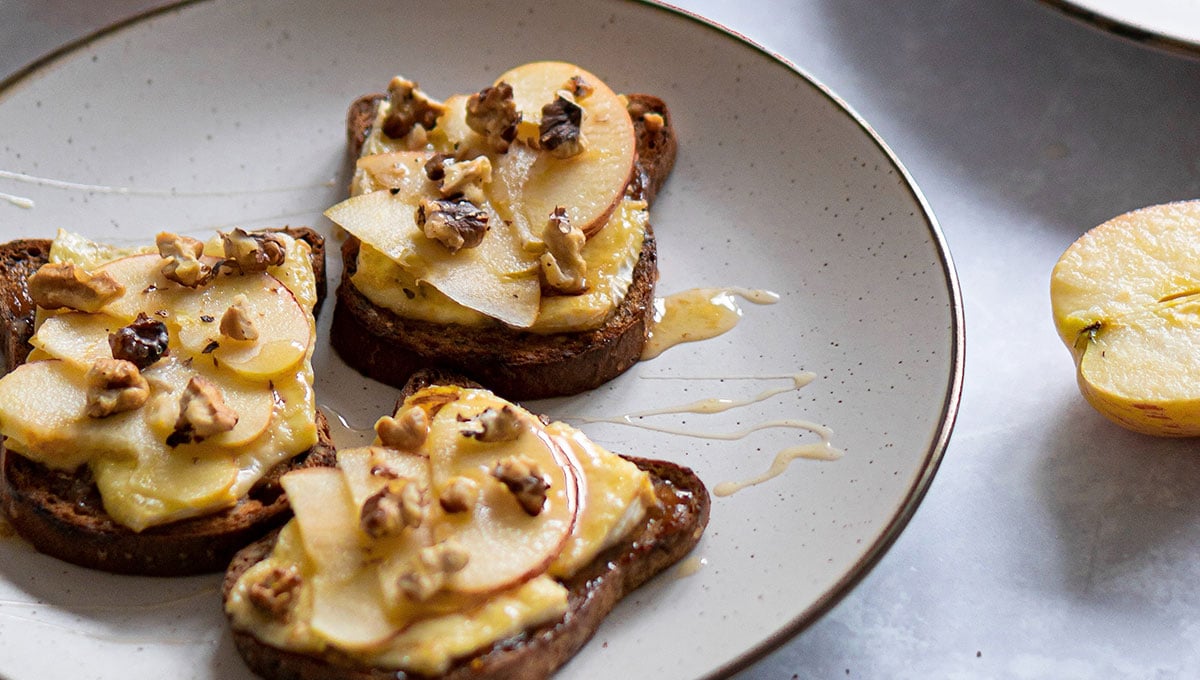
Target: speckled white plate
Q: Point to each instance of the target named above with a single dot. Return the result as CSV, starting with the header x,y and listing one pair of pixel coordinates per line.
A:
x,y
1167,24
218,113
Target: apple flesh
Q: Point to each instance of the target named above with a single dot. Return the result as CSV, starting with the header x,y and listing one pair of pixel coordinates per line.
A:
x,y
588,185
1126,302
506,545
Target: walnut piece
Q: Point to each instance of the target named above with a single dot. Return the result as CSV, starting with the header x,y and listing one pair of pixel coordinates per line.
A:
x,y
236,323
400,503
182,255
578,87
142,342
202,413
115,386
492,113
426,576
563,266
405,431
459,495
58,285
456,223
251,253
560,131
466,178
525,480
274,594
493,425
409,107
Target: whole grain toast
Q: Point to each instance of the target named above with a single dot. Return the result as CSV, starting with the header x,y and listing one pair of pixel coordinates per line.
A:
x,y
61,513
516,364
666,536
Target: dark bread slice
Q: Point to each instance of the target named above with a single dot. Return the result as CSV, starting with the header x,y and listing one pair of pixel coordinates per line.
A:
x,y
516,364
61,513
663,540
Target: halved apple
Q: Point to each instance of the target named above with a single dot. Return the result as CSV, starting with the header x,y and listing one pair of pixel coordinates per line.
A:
x,y
284,330
506,544
588,185
1126,302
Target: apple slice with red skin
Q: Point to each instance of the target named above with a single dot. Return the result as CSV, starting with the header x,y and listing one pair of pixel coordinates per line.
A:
x,y
506,545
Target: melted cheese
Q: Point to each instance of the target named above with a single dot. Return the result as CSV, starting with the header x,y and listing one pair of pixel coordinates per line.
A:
x,y
142,481
610,255
427,637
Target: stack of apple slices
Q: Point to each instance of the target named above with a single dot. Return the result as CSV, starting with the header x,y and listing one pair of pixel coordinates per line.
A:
x,y
499,278
357,584
143,480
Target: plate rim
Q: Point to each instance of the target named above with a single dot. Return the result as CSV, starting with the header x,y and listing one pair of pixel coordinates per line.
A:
x,y
1129,32
953,393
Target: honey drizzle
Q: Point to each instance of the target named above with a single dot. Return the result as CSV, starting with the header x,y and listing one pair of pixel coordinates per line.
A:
x,y
698,314
130,191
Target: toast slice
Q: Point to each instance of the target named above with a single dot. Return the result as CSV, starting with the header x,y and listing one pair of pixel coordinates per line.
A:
x,y
516,364
61,513
664,537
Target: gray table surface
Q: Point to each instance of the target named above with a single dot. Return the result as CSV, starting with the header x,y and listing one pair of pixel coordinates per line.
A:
x,y
1051,544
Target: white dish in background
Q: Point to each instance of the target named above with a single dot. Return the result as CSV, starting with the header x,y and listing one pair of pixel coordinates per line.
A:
x,y
1168,24
216,114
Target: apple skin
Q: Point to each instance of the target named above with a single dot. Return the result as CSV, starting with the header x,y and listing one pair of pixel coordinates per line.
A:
x,y
1126,303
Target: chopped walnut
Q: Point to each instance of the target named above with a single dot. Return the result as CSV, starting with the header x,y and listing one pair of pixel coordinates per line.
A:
x,y
236,322
459,495
182,255
400,503
560,131
467,178
58,285
409,107
202,413
429,570
578,87
528,485
142,342
274,594
252,252
435,167
492,113
115,386
494,425
563,266
454,222
405,431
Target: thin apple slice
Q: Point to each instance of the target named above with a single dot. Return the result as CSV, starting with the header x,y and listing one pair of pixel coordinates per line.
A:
x,y
161,486
402,171
253,402
588,185
284,329
76,337
497,278
357,465
506,545
43,408
347,604
146,289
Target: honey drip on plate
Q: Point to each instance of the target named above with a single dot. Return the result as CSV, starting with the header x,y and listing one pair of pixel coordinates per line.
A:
x,y
690,566
698,314
821,450
131,191
344,434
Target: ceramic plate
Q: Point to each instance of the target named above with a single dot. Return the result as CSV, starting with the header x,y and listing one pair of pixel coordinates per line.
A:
x,y
1167,24
214,114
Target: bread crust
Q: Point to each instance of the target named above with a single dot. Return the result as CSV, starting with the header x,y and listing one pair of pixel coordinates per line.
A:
x,y
515,364
666,537
61,513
